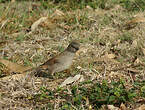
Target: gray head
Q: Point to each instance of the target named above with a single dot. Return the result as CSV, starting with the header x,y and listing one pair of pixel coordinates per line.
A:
x,y
73,46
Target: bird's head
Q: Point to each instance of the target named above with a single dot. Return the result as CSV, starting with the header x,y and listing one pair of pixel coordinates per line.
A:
x,y
73,46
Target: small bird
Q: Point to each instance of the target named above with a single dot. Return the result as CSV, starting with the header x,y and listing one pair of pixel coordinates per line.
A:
x,y
60,62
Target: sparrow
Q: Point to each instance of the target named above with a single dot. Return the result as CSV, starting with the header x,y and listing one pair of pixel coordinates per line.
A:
x,y
58,63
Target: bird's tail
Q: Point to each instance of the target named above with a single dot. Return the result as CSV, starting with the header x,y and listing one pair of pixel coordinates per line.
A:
x,y
39,72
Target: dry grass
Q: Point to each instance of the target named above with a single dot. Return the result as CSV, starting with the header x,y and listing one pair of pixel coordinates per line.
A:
x,y
108,50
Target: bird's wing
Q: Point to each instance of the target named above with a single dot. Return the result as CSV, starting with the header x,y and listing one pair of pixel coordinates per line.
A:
x,y
51,61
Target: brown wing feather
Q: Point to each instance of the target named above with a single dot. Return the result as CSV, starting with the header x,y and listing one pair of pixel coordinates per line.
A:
x,y
51,61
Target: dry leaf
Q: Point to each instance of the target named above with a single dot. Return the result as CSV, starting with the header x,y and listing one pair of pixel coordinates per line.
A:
x,y
90,107
57,13
13,77
111,56
106,59
79,67
114,73
48,24
132,70
143,50
70,80
132,23
3,23
123,107
36,23
134,43
12,1
142,107
13,67
137,19
89,8
137,61
81,79
112,107
82,50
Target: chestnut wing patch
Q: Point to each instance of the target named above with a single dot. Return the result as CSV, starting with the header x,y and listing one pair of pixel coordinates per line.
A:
x,y
51,61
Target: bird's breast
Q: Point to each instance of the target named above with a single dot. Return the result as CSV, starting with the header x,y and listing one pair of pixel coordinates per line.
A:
x,y
64,62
